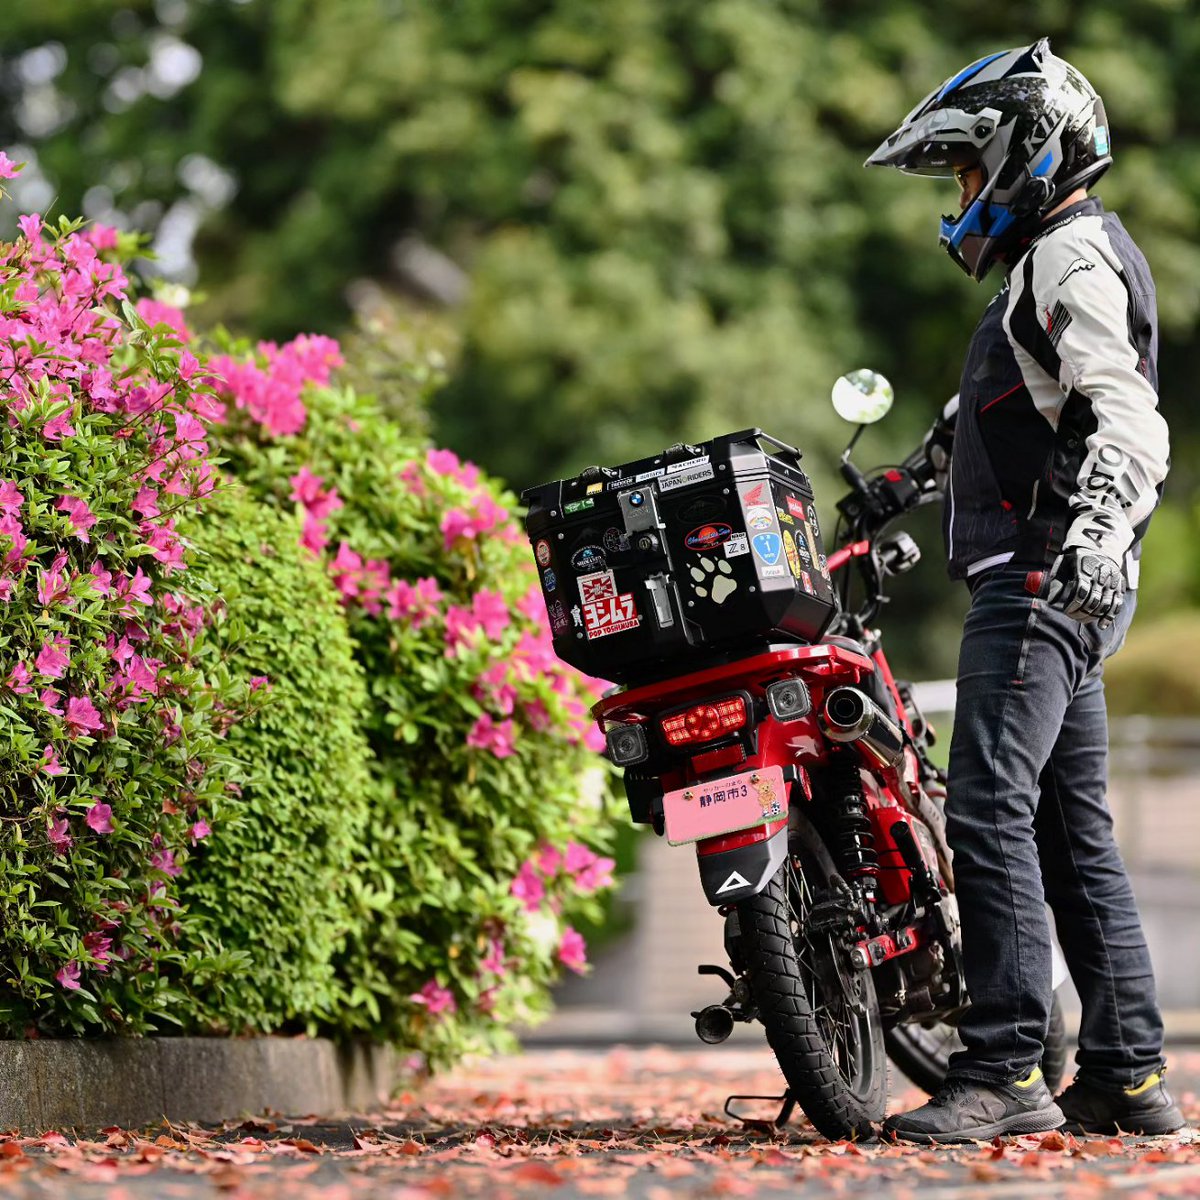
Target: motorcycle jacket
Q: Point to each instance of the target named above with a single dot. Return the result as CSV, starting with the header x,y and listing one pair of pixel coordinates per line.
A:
x,y
1058,441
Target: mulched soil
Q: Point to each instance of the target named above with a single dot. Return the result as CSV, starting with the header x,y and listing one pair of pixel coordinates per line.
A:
x,y
644,1123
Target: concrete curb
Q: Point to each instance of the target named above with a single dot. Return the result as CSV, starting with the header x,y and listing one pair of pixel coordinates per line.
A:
x,y
52,1084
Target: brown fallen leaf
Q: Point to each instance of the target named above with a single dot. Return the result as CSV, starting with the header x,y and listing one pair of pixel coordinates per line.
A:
x,y
304,1145
532,1172
11,1150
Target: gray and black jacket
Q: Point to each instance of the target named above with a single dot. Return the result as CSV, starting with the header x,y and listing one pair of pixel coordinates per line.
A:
x,y
1058,441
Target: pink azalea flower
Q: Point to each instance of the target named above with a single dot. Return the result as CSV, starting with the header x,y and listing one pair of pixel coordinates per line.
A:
x,y
259,681
199,830
98,945
68,977
8,168
494,962
81,517
57,428
572,950
54,658
99,817
527,886
538,715
549,860
461,627
435,998
10,498
456,524
135,590
491,611
102,237
54,585
146,502
442,462
486,734
51,699
81,716
164,860
306,486
155,312
101,579
50,764
18,679
31,227
314,537
6,589
57,832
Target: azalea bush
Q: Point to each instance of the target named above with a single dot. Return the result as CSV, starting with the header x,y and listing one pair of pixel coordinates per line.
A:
x,y
486,839
113,763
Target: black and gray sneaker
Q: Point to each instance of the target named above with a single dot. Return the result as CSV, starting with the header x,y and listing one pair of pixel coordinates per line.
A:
x,y
964,1110
1146,1109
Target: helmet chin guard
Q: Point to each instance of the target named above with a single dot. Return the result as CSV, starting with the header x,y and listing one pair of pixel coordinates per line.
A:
x,y
1033,124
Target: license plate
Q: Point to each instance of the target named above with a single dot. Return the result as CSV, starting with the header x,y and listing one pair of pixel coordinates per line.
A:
x,y
706,810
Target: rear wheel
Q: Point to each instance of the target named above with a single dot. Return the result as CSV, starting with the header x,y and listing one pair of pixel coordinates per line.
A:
x,y
821,1015
923,1052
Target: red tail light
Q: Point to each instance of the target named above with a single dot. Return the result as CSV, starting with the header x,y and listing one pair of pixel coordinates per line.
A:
x,y
704,722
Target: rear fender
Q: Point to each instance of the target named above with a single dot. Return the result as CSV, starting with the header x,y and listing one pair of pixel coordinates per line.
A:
x,y
741,871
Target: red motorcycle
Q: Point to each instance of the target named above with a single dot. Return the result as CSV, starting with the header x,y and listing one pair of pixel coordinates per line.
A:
x,y
758,720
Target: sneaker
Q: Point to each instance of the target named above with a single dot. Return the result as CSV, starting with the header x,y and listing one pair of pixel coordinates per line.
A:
x,y
1147,1108
965,1110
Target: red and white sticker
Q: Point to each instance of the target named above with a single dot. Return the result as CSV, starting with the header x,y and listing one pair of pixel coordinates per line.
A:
x,y
542,553
605,612
755,495
795,507
613,614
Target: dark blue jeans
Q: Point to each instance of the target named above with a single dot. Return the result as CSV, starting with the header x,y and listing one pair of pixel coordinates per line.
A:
x,y
1028,823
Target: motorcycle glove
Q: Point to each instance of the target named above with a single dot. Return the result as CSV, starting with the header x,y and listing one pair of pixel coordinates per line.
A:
x,y
1087,586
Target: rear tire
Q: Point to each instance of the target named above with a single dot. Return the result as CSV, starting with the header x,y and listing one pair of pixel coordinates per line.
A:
x,y
923,1052
821,1015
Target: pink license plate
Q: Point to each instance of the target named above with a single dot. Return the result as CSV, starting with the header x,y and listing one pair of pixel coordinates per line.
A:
x,y
720,806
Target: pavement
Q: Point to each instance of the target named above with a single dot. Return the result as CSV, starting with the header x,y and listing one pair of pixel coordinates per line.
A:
x,y
644,1122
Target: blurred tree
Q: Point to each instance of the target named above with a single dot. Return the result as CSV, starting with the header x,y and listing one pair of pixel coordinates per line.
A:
x,y
660,207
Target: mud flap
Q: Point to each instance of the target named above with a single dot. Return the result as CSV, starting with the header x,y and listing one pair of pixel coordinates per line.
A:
x,y
744,871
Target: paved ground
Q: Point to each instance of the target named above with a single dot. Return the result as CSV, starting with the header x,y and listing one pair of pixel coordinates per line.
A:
x,y
643,1123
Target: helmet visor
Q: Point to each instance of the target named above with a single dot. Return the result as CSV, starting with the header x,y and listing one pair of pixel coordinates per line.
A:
x,y
938,143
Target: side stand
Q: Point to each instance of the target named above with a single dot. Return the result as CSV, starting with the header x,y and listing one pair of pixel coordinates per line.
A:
x,y
788,1106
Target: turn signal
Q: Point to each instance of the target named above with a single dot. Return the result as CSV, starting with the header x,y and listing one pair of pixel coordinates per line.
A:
x,y
627,744
704,722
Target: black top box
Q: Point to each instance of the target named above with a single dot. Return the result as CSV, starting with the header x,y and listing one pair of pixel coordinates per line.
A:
x,y
661,565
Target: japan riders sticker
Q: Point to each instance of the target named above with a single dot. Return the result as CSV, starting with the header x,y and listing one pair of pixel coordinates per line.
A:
x,y
588,558
759,517
795,507
542,553
737,544
767,547
708,537
668,483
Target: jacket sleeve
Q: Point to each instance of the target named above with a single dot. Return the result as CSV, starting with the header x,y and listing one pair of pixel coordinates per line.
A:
x,y
1085,307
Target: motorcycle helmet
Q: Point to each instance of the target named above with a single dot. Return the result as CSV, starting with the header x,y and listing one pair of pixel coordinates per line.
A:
x,y
1033,124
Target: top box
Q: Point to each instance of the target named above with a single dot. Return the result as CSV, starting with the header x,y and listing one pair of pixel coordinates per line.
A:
x,y
696,555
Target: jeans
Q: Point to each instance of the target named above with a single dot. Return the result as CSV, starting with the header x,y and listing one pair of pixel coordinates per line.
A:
x,y
1028,824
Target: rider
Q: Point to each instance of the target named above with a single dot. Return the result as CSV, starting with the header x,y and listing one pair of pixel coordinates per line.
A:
x,y
1058,458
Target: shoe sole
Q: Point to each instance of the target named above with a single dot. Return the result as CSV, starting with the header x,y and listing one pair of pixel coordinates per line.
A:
x,y
1159,1127
1040,1120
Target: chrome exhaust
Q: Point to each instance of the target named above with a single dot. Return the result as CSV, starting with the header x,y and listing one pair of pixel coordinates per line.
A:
x,y
850,715
714,1024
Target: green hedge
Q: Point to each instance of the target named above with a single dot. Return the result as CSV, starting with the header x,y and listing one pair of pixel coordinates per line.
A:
x,y
271,882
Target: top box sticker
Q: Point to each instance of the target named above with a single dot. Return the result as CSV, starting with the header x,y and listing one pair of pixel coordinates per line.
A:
x,y
695,474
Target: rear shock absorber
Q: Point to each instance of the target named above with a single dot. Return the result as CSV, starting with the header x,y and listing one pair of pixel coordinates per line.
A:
x,y
853,836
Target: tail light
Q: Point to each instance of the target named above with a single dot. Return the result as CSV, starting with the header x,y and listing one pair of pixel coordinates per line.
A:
x,y
704,722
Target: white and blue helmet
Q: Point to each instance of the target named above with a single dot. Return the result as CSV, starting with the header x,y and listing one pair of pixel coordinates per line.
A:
x,y
1030,120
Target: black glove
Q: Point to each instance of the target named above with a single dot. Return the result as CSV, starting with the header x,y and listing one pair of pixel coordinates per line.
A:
x,y
1087,586
930,462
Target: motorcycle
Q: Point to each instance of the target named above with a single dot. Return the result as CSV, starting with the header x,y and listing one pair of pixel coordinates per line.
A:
x,y
784,751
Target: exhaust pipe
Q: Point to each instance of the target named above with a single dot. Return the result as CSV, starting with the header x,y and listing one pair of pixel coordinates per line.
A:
x,y
850,715
714,1024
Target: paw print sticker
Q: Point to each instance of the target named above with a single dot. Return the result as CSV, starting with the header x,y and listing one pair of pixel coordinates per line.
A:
x,y
712,578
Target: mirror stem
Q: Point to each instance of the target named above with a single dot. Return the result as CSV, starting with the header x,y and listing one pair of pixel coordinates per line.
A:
x,y
850,473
